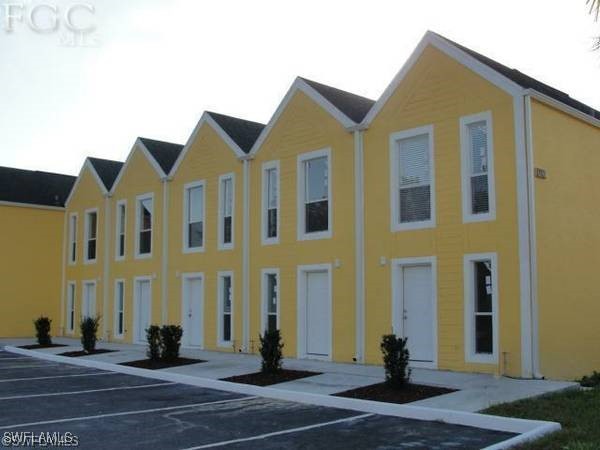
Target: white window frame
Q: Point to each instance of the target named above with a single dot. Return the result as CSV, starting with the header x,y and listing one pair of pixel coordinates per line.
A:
x,y
470,355
264,291
465,121
72,230
220,313
395,223
266,167
85,283
118,225
138,224
186,210
86,235
221,215
116,334
301,194
71,302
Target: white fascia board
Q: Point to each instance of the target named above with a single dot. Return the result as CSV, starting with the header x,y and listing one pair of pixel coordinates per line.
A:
x,y
138,145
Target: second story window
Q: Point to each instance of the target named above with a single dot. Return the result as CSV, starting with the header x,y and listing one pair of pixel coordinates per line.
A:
x,y
226,211
314,189
120,231
73,238
145,208
270,202
479,201
411,164
91,231
193,217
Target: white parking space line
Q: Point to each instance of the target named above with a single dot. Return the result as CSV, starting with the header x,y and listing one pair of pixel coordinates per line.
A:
x,y
279,433
31,366
92,374
125,413
119,388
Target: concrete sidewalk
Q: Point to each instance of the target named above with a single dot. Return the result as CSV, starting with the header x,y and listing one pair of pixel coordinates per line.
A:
x,y
475,391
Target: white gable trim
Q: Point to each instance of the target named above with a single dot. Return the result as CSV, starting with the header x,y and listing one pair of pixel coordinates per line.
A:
x,y
453,52
138,145
301,85
207,119
562,107
87,165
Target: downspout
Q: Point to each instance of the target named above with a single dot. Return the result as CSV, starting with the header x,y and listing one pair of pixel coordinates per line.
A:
x,y
359,232
64,270
246,257
106,268
164,285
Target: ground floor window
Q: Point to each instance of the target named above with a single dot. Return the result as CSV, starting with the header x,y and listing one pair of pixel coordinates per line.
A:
x,y
481,308
270,300
119,308
71,307
225,308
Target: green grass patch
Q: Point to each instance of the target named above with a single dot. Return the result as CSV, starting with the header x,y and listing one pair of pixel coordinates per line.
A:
x,y
577,411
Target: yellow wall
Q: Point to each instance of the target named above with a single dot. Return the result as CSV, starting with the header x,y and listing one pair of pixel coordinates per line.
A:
x,y
568,247
87,195
31,268
438,91
304,127
139,178
207,159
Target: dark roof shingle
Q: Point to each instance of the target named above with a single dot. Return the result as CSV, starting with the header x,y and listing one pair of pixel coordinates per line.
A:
x,y
243,132
165,153
34,187
353,106
107,170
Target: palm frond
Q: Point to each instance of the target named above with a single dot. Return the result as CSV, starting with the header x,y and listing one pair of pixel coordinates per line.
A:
x,y
594,8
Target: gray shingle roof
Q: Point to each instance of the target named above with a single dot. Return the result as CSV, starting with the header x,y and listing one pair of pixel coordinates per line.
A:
x,y
34,187
243,132
165,153
353,106
107,170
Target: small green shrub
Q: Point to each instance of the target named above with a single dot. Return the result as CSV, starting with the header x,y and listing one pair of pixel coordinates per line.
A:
x,y
42,330
395,360
592,380
154,343
89,331
170,341
270,350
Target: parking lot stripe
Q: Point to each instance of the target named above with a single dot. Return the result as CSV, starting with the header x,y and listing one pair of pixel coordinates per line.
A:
x,y
279,433
92,374
31,366
119,388
125,413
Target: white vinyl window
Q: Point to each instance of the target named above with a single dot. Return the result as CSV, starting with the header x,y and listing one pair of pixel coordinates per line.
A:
x,y
119,323
226,211
479,201
193,217
91,236
144,223
270,295
412,179
72,238
225,309
270,203
70,307
314,195
121,225
481,310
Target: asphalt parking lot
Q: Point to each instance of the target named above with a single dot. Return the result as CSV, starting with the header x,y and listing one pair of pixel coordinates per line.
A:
x,y
107,410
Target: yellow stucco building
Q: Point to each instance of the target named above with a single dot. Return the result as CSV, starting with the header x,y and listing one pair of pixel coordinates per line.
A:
x,y
456,210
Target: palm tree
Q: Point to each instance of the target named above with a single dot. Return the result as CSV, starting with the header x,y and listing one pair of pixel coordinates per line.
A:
x,y
595,11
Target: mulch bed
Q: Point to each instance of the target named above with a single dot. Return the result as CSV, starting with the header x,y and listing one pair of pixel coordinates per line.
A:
x,y
381,392
36,346
160,364
266,379
77,353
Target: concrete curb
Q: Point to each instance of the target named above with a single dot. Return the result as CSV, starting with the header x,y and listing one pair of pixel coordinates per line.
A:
x,y
527,430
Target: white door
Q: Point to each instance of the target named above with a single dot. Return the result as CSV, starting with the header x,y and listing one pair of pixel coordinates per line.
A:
x,y
192,311
142,310
417,312
88,307
318,315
